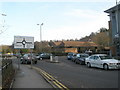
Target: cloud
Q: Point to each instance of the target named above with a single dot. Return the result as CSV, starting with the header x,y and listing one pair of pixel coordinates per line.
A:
x,y
57,1
80,13
81,27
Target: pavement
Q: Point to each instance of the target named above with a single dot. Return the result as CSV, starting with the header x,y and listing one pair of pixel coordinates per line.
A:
x,y
29,78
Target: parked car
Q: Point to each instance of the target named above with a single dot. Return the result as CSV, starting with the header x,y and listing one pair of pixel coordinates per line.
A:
x,y
44,56
80,58
70,56
74,57
102,61
26,58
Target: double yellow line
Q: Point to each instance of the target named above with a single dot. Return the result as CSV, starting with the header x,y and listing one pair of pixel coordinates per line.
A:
x,y
51,79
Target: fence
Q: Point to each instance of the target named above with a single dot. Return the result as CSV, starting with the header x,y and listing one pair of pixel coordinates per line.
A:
x,y
7,72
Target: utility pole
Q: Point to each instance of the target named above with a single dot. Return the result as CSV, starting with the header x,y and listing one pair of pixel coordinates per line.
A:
x,y
41,35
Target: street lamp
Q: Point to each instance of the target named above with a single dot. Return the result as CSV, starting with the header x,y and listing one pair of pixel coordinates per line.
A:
x,y
40,34
3,14
1,31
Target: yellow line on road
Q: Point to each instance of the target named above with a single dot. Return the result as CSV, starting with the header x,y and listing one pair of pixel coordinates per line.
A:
x,y
57,81
58,85
48,76
62,85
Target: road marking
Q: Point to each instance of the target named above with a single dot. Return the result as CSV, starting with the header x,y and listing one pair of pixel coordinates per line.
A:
x,y
51,79
58,81
58,85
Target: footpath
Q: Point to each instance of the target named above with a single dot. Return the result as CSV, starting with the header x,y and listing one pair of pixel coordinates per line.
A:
x,y
29,78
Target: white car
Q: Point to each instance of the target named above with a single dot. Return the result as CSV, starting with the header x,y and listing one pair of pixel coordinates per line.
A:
x,y
102,61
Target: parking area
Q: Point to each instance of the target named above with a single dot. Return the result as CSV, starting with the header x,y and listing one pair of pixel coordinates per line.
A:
x,y
79,76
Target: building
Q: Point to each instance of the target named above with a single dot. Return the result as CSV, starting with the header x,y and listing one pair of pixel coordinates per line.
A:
x,y
73,46
114,26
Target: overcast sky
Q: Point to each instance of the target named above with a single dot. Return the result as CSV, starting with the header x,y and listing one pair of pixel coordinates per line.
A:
x,y
63,19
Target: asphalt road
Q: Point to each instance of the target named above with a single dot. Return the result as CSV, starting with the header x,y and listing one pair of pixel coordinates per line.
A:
x,y
79,76
0,72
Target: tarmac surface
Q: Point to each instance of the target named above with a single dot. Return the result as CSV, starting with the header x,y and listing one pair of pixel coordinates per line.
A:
x,y
29,78
0,73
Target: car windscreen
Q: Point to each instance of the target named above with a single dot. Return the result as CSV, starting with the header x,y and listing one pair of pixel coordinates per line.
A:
x,y
70,54
84,56
105,57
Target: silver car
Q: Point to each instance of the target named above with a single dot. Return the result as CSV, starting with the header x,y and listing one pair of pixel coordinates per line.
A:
x,y
102,61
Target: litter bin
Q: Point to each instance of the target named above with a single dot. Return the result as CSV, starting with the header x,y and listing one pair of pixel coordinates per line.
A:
x,y
51,58
56,59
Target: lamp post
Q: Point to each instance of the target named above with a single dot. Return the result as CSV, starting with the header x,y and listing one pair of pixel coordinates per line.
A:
x,y
117,27
41,34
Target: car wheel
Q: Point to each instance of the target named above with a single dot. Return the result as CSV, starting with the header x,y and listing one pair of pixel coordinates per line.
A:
x,y
105,66
35,62
80,62
88,65
76,62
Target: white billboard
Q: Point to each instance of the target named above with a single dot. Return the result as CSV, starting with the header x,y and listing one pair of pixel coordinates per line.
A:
x,y
23,42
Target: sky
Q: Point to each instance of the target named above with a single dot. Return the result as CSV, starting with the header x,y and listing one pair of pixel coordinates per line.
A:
x,y
62,19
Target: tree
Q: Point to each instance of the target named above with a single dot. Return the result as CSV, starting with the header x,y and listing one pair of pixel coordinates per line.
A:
x,y
102,38
103,30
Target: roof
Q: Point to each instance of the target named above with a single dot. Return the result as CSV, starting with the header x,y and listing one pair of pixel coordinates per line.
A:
x,y
57,43
78,44
113,9
99,55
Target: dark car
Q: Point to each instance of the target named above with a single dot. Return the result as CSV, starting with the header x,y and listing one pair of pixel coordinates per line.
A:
x,y
80,58
44,56
26,58
70,56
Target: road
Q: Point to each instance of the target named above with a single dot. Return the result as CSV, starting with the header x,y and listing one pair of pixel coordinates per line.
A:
x,y
0,72
79,76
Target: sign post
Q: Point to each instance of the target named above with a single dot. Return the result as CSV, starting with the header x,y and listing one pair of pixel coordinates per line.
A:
x,y
23,42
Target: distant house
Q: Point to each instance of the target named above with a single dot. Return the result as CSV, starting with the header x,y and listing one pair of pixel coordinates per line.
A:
x,y
114,26
73,46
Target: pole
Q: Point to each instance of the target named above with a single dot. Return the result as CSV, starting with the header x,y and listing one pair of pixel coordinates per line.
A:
x,y
19,59
41,36
117,25
40,33
31,58
117,18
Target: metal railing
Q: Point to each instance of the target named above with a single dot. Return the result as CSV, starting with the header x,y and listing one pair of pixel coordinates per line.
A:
x,y
7,72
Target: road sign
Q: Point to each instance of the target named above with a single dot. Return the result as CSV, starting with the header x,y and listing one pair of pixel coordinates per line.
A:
x,y
23,42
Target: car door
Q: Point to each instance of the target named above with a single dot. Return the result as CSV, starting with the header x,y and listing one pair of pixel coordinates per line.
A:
x,y
96,61
91,61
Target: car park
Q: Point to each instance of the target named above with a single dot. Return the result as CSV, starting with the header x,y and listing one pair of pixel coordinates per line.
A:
x,y
26,58
80,58
102,61
71,55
